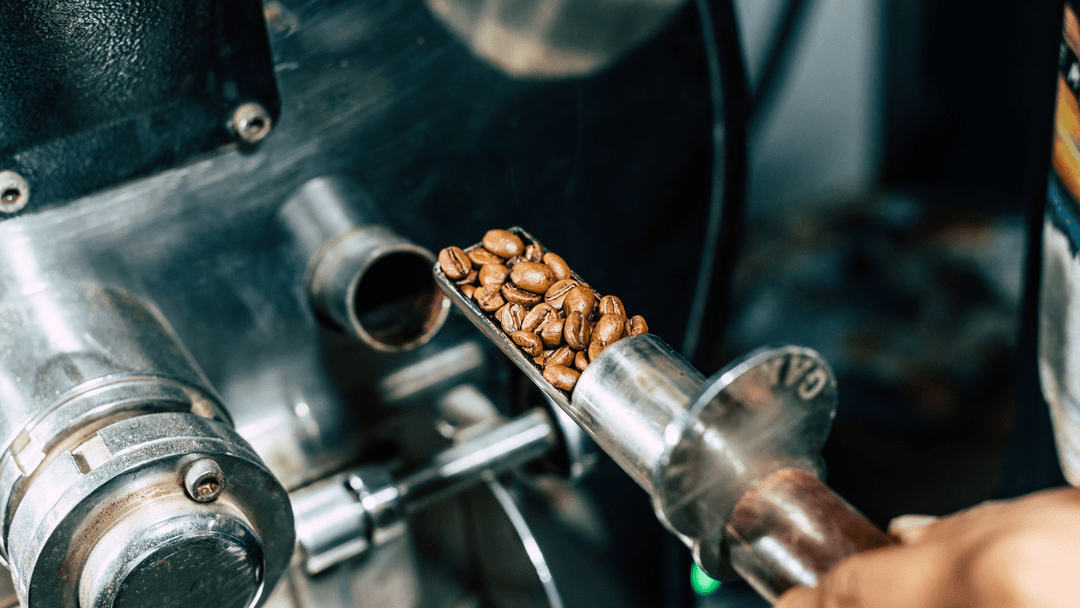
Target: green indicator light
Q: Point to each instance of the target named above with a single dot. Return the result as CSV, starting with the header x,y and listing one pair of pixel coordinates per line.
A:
x,y
701,582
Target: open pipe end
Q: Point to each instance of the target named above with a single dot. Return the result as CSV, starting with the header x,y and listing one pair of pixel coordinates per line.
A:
x,y
395,304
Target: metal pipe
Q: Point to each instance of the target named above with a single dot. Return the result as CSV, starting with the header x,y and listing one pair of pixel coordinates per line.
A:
x,y
362,277
344,516
511,445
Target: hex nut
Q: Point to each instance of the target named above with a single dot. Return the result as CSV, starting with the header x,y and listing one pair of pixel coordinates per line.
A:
x,y
204,480
14,192
251,123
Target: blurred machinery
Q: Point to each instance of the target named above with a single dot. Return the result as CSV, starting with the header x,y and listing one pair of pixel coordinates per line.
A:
x,y
230,377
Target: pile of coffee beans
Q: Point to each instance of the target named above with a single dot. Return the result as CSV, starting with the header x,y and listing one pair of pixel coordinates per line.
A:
x,y
562,323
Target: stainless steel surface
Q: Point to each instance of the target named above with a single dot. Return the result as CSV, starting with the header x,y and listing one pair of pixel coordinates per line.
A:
x,y
14,192
510,445
362,276
553,38
342,517
101,410
769,410
627,399
102,514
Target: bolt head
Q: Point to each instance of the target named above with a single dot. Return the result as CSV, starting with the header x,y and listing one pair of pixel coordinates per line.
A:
x,y
204,480
14,192
251,123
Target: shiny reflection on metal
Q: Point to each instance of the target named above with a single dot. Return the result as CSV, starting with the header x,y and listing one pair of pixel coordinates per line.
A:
x,y
192,558
101,409
344,516
791,529
251,123
14,192
362,276
510,445
105,523
528,542
204,480
578,453
769,410
553,38
458,360
626,399
1059,328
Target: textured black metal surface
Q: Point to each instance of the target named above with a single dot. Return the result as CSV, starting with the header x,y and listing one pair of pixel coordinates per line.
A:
x,y
93,92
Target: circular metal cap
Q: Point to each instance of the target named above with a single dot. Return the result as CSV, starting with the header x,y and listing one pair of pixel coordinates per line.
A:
x,y
194,559
768,410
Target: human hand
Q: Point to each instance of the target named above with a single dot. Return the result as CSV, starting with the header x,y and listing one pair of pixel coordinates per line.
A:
x,y
1022,553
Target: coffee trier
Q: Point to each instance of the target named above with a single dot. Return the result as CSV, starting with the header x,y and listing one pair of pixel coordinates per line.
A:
x,y
558,321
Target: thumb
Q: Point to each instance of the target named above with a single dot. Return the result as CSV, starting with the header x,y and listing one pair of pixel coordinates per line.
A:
x,y
799,597
896,577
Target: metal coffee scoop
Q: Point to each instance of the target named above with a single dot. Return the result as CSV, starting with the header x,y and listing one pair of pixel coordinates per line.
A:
x,y
731,462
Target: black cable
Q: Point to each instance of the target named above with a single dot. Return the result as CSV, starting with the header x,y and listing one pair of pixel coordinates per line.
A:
x,y
778,59
730,95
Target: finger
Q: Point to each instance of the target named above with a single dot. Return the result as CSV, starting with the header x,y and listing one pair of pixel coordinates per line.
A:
x,y
799,597
898,577
910,528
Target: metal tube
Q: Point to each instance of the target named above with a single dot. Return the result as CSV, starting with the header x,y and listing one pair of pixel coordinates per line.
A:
x,y
362,277
512,444
627,398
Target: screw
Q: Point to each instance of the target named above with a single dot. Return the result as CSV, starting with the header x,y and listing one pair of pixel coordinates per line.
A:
x,y
251,123
14,192
204,480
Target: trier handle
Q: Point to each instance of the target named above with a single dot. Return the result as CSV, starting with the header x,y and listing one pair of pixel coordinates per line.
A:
x,y
791,529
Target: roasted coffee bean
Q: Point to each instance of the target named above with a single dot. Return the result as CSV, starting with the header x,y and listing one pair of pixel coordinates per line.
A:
x,y
540,314
576,331
534,253
556,295
551,332
558,266
454,263
493,274
510,316
609,305
540,359
581,360
480,256
595,348
532,276
636,326
470,279
513,294
488,298
468,290
514,261
561,356
609,328
502,243
580,299
528,341
561,377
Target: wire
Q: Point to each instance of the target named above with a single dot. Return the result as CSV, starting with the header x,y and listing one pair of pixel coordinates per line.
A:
x,y
730,95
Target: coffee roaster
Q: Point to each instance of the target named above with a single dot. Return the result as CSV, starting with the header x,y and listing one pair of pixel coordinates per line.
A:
x,y
232,373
